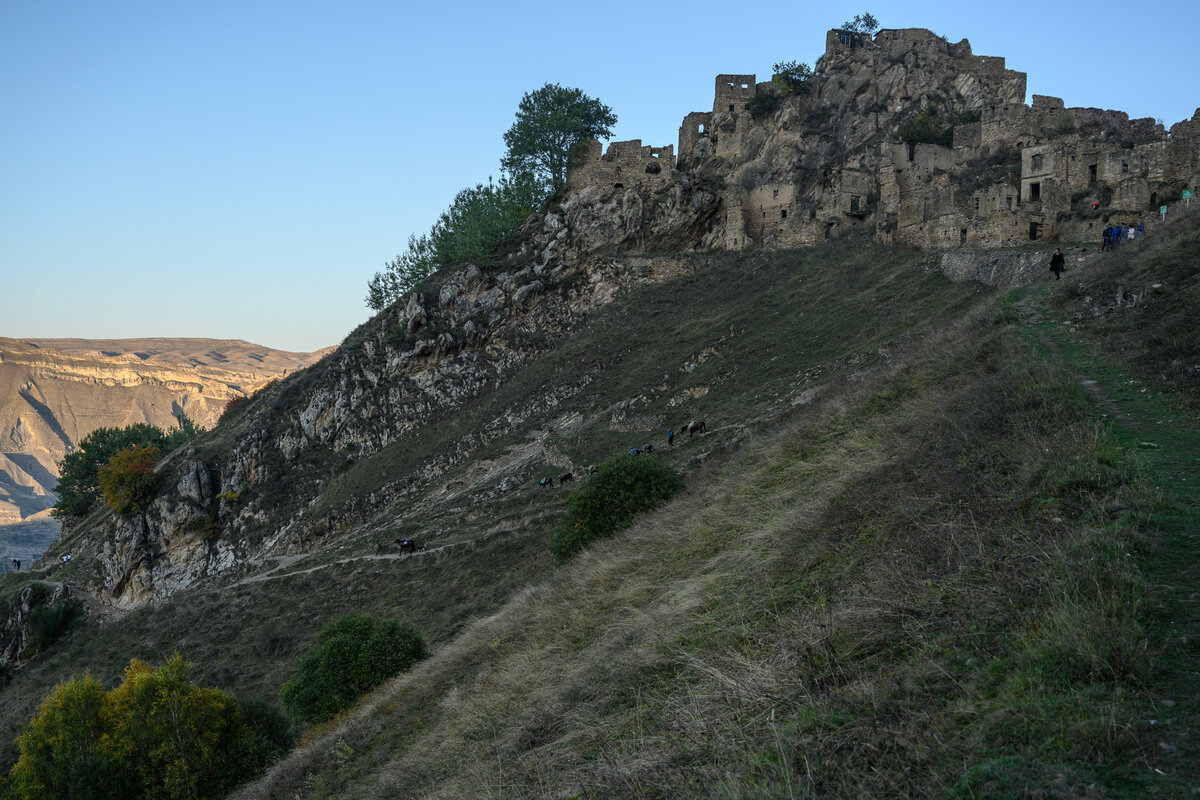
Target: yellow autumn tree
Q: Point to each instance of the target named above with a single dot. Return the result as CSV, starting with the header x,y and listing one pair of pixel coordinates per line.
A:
x,y
127,481
154,736
60,745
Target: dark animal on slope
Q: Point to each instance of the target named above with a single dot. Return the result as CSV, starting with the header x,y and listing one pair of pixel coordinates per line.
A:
x,y
546,483
408,545
692,428
566,476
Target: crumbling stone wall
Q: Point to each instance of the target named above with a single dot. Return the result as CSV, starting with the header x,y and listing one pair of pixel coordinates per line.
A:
x,y
830,160
624,164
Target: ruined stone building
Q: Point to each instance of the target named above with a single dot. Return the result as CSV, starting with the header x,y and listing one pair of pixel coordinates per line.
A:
x,y
802,166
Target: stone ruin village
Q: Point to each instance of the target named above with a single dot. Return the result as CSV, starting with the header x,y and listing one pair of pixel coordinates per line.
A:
x,y
831,159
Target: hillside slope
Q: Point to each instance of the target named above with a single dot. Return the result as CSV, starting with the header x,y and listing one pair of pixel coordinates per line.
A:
x,y
948,578
659,353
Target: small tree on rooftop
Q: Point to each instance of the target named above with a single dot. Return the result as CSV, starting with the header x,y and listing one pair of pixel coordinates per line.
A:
x,y
865,24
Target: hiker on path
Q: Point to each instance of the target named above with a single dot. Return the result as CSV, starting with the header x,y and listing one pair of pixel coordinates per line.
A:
x,y
671,438
1057,263
1107,238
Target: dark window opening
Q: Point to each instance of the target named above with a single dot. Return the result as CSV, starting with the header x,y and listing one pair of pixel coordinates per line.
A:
x,y
854,202
653,169
1091,173
1124,167
618,186
1010,202
731,106
1154,201
1038,160
783,213
1035,193
962,235
776,194
1034,230
812,213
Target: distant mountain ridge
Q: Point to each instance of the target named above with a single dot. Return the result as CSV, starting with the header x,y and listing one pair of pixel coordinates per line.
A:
x,y
54,392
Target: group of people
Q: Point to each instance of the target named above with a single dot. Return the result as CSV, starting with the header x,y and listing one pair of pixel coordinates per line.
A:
x,y
1116,233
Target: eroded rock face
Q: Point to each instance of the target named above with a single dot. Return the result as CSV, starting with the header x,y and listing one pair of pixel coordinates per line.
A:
x,y
14,629
431,351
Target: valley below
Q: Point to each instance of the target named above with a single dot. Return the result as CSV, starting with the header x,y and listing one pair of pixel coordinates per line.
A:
x,y
54,392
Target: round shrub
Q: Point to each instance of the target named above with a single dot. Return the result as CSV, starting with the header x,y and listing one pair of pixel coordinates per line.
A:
x,y
622,488
353,654
127,481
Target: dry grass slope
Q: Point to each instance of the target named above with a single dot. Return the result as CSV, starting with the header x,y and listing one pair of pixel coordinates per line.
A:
x,y
914,592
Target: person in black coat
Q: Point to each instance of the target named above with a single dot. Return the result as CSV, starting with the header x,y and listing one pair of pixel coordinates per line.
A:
x,y
1057,263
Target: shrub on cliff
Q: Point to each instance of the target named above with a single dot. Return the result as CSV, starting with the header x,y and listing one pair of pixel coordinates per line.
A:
x,y
928,127
353,654
127,481
621,489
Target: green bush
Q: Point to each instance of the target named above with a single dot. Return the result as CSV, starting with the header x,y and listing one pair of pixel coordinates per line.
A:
x,y
762,104
353,654
270,730
622,488
928,127
47,623
128,480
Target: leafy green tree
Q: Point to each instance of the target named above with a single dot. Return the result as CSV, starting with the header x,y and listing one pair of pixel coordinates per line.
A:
x,y
792,77
550,121
621,489
479,220
179,740
60,742
153,737
865,24
353,654
79,471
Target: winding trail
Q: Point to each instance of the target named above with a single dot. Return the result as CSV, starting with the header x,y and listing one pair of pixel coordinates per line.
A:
x,y
1168,445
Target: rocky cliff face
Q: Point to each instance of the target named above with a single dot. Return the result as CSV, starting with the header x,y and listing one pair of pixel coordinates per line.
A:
x,y
264,490
53,392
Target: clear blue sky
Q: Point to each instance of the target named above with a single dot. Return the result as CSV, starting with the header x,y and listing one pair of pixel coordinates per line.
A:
x,y
241,169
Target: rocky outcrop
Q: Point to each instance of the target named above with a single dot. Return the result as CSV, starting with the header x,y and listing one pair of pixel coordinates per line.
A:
x,y
1003,268
425,356
16,644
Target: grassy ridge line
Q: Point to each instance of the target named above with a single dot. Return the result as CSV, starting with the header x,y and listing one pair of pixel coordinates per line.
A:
x,y
913,593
